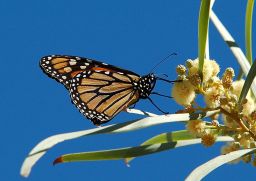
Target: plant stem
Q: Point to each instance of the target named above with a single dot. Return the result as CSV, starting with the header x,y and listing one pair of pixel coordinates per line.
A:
x,y
239,121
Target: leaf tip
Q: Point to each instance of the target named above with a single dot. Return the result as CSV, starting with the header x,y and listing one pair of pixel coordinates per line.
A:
x,y
24,175
126,161
57,161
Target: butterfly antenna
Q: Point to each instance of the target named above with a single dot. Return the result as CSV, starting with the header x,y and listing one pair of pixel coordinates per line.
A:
x,y
169,81
163,60
162,75
157,106
166,80
156,93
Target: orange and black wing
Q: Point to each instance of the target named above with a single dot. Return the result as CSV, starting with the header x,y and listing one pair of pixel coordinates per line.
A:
x,y
64,68
100,91
100,94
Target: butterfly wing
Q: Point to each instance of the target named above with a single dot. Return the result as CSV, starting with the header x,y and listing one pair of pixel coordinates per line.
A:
x,y
64,68
100,91
100,95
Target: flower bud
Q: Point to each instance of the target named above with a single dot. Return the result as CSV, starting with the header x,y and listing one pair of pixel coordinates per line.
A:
x,y
212,97
247,158
196,127
181,69
208,139
227,78
183,92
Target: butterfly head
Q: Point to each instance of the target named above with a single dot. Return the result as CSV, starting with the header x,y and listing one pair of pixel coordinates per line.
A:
x,y
146,84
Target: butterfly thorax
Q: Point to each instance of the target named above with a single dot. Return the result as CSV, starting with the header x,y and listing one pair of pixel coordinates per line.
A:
x,y
145,85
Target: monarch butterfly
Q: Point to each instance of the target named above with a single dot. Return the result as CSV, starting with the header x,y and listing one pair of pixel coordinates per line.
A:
x,y
100,91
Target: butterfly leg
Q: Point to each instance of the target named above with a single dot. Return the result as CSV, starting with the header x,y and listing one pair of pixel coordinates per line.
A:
x,y
157,106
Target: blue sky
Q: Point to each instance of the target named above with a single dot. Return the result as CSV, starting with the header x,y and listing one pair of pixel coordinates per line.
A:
x,y
131,34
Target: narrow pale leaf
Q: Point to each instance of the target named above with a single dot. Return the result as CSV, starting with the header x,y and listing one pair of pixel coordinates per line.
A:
x,y
41,148
238,53
203,170
140,112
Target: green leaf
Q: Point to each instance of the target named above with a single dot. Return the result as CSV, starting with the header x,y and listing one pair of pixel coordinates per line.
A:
x,y
203,24
121,153
247,84
41,148
115,154
203,170
175,136
248,35
166,137
248,30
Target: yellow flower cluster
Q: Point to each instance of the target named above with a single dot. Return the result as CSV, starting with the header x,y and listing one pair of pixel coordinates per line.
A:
x,y
198,128
218,93
184,92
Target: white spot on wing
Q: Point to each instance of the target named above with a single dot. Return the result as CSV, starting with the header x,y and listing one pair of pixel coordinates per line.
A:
x,y
72,62
83,67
